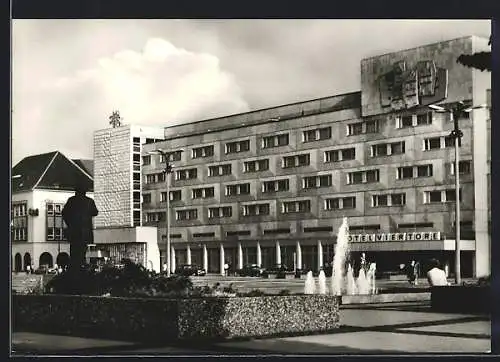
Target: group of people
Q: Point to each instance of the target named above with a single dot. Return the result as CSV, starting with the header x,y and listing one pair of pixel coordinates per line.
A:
x,y
436,276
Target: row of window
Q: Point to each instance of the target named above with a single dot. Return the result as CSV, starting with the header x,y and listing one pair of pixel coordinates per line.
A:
x,y
312,135
316,229
304,206
310,182
300,160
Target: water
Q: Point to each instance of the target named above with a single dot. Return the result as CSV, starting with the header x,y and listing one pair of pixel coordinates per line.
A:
x,y
341,251
342,281
322,282
363,283
351,288
310,285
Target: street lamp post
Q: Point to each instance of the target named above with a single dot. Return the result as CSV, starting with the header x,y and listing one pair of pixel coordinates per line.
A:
x,y
167,171
455,112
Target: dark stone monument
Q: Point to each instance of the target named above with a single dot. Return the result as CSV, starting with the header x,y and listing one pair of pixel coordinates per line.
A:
x,y
77,214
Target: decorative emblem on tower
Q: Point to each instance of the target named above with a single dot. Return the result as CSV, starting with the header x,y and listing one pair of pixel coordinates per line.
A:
x,y
403,88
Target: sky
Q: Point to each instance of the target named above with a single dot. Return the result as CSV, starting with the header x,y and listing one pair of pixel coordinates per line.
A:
x,y
68,76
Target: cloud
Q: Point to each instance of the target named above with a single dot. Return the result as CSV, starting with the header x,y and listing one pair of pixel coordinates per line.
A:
x,y
161,85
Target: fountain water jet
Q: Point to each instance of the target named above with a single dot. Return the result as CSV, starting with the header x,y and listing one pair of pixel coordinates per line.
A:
x,y
322,282
342,281
310,284
341,251
352,288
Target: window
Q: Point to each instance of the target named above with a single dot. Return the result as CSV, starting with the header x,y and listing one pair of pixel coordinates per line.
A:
x,y
317,181
256,209
205,151
414,120
449,141
146,160
220,170
398,199
289,207
275,185
365,228
220,212
19,215
340,155
189,214
296,161
415,226
424,118
238,233
387,149
424,171
55,228
410,171
406,121
173,156
238,189
339,203
389,200
318,229
464,167
203,193
146,198
238,146
358,128
156,216
277,231
371,126
257,165
150,179
275,141
355,129
317,134
203,235
186,174
175,195
438,196
405,172
359,177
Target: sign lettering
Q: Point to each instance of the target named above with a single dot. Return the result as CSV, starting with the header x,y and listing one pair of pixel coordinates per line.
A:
x,y
428,236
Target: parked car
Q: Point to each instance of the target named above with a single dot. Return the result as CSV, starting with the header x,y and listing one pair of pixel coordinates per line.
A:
x,y
250,270
189,270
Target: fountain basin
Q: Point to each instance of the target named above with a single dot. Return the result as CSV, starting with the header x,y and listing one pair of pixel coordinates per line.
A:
x,y
168,319
386,298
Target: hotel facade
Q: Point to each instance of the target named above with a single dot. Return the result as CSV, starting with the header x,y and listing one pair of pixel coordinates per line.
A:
x,y
272,186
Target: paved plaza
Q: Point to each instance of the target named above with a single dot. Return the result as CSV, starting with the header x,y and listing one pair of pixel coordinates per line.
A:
x,y
390,328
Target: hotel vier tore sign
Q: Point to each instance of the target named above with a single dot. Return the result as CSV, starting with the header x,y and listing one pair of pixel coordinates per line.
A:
x,y
403,87
416,236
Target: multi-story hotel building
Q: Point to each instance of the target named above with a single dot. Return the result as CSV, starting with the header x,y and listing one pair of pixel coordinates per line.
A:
x,y
271,186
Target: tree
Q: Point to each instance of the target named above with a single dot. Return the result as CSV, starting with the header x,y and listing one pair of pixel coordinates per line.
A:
x,y
479,60
115,120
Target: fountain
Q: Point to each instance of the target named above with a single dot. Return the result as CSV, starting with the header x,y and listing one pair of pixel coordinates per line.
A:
x,y
322,282
342,281
310,285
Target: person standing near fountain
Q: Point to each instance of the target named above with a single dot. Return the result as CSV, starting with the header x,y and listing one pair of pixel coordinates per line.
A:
x,y
412,272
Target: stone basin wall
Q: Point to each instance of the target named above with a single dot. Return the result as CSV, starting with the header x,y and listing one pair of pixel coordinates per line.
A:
x,y
168,319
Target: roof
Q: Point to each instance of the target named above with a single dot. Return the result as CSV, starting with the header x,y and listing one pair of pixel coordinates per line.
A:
x,y
86,165
52,171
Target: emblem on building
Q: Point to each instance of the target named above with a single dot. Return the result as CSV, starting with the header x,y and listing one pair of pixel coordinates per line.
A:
x,y
405,87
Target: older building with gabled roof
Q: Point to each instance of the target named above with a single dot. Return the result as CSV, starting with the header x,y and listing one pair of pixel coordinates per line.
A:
x,y
41,184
